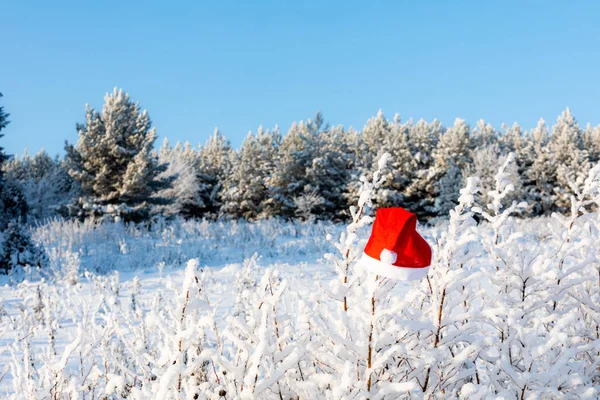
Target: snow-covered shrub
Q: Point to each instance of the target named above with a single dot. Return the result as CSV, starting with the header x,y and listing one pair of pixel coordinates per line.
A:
x,y
18,250
45,184
305,204
509,308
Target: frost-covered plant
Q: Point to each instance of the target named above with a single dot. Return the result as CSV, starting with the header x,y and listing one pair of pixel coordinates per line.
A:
x,y
495,215
18,250
509,310
260,358
440,353
486,163
180,368
306,203
347,243
355,346
532,348
44,183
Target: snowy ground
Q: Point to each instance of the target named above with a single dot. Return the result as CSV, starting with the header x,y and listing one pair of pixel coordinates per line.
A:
x,y
92,264
119,315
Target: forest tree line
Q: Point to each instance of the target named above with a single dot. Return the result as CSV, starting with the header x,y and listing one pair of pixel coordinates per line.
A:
x,y
115,171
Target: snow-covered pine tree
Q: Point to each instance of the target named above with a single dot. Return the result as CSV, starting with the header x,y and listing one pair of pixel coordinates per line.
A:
x,y
419,195
451,155
114,162
363,144
519,142
446,188
452,148
16,247
3,123
183,192
235,182
515,140
214,165
13,205
372,139
329,173
591,142
377,137
400,173
269,142
18,250
483,135
245,189
12,202
485,163
569,158
45,184
541,173
295,156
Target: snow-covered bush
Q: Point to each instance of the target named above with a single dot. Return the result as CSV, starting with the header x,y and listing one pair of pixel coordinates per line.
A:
x,y
509,309
18,250
45,184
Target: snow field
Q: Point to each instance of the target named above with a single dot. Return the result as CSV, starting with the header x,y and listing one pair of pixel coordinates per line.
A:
x,y
509,309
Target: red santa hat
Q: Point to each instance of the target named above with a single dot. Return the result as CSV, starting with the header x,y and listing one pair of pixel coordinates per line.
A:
x,y
395,249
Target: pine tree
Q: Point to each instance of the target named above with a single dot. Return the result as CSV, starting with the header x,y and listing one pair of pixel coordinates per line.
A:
x,y
399,174
515,141
591,142
423,139
3,123
447,189
16,247
379,136
113,161
374,136
295,157
13,205
486,161
19,250
569,158
329,173
419,194
183,190
242,188
483,135
451,155
214,165
370,146
541,172
45,184
12,201
245,189
453,146
269,142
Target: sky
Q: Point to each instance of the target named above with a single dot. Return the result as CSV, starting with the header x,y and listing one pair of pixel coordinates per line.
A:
x,y
197,65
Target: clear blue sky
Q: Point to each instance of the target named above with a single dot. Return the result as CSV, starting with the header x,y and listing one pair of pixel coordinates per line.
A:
x,y
196,65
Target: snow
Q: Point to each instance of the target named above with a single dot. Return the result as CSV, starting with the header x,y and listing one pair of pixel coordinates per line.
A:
x,y
272,309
